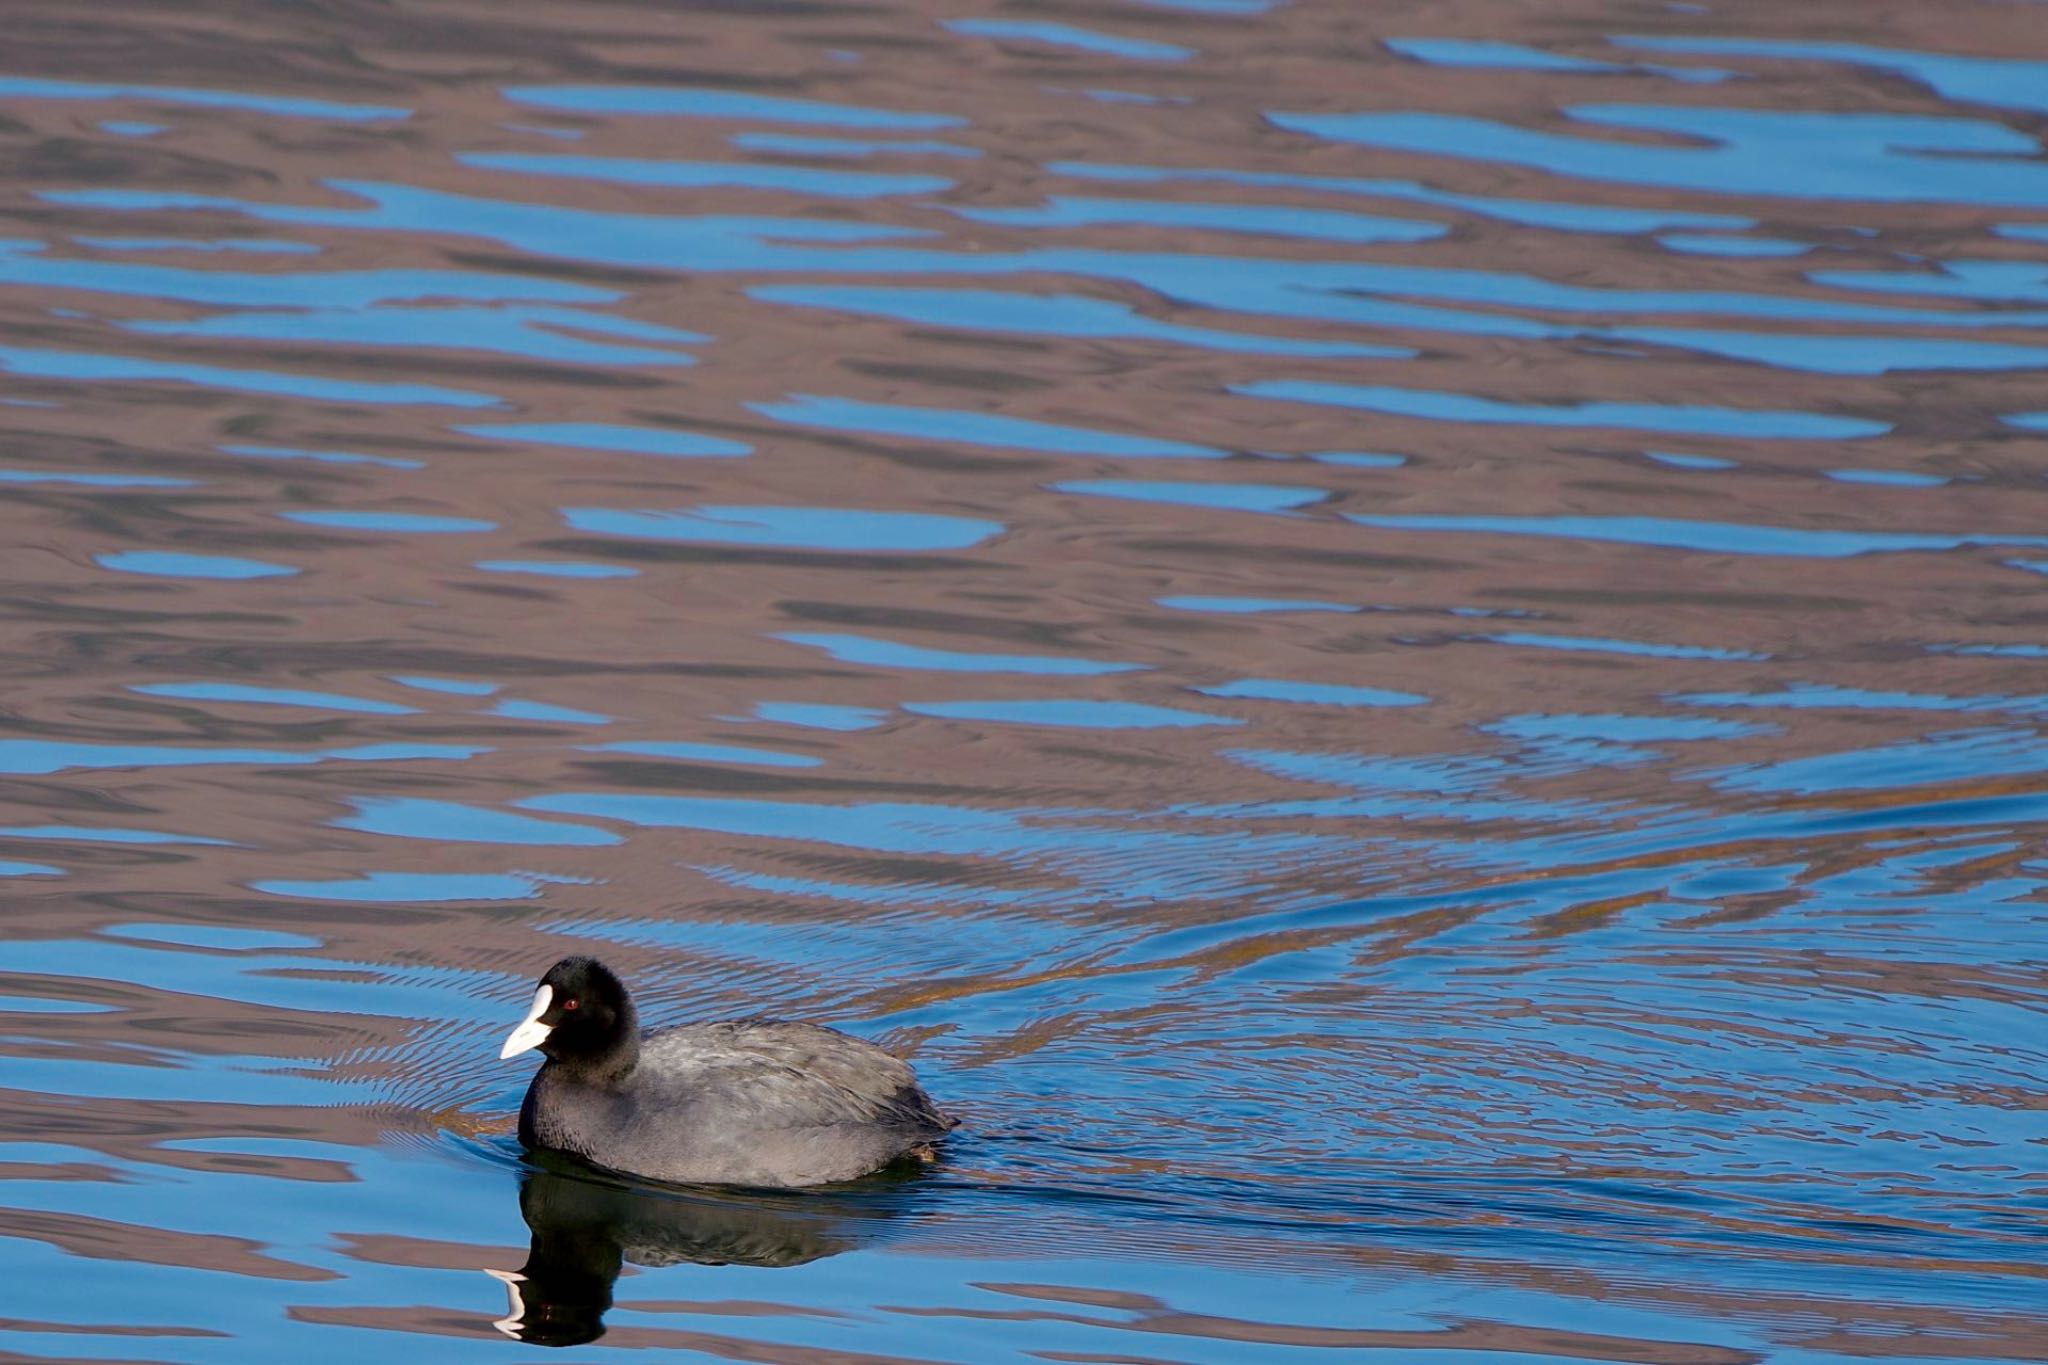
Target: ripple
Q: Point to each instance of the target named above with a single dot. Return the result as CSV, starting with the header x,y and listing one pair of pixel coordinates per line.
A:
x,y
1893,478
1358,459
1313,694
1963,755
269,246
251,695
864,649
603,436
820,715
322,456
337,290
1683,461
1086,715
556,568
1718,537
727,104
1643,648
406,523
1703,244
1693,420
24,87
1261,220
709,753
219,936
1879,158
96,367
1242,497
415,818
803,528
108,835
36,756
408,887
1244,606
1543,213
455,687
791,144
706,174
1070,36
512,708
2012,82
973,428
533,332
1809,696
1037,315
1486,54
42,476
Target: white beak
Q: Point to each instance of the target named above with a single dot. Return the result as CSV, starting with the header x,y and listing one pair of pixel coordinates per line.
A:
x,y
531,1032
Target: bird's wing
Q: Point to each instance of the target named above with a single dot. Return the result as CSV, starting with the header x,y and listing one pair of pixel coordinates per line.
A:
x,y
790,1075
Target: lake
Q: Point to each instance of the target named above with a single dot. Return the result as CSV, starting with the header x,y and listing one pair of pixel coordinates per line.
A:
x,y
1402,646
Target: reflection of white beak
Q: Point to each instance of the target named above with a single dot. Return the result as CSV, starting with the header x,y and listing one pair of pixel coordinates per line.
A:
x,y
515,1303
531,1032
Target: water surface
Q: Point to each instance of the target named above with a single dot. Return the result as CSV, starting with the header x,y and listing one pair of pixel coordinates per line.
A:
x,y
1400,646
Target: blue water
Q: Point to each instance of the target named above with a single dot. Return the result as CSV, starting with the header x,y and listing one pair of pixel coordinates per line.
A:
x,y
863,649
263,245
600,436
413,523
1721,537
1399,648
1245,497
813,528
171,563
544,568
457,687
710,753
25,88
35,476
1860,156
819,715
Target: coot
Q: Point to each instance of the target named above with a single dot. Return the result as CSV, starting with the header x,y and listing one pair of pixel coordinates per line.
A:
x,y
759,1102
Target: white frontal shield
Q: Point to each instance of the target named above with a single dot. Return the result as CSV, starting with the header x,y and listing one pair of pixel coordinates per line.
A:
x,y
531,1032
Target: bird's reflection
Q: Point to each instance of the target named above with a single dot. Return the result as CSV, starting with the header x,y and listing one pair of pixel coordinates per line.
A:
x,y
585,1226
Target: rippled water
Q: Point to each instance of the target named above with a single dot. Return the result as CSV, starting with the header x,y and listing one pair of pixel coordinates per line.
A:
x,y
1401,644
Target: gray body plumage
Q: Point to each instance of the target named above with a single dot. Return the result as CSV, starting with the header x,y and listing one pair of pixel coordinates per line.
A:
x,y
747,1102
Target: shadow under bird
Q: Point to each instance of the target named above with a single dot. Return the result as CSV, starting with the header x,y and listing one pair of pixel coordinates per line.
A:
x,y
756,1102
587,1229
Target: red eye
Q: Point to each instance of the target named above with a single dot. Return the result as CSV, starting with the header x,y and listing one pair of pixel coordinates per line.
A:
x,y
569,1004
